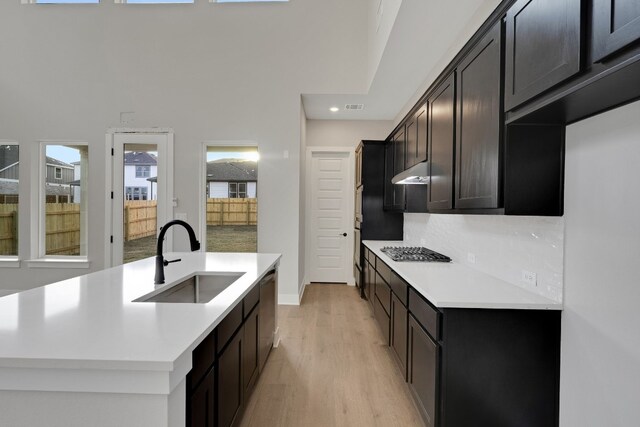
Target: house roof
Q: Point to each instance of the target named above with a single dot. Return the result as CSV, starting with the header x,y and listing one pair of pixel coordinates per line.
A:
x,y
8,155
232,170
59,163
10,187
140,158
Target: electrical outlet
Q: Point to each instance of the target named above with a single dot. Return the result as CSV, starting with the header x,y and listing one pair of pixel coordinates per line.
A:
x,y
471,257
530,278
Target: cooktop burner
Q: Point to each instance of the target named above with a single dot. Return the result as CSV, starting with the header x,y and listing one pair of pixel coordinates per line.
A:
x,y
419,254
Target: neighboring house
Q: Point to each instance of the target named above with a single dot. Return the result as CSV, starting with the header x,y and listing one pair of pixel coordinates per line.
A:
x,y
138,168
59,178
230,178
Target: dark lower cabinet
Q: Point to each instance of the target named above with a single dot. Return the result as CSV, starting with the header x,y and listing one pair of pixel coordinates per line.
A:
x,y
201,405
382,318
441,129
478,130
423,366
250,359
229,383
267,316
398,338
616,24
543,47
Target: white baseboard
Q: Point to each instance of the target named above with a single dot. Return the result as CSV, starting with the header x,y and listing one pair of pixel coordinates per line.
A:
x,y
288,299
302,289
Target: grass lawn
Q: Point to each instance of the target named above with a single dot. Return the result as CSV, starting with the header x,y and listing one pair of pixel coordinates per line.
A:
x,y
241,238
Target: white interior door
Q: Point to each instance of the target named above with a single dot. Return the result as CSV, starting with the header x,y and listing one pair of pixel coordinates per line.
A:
x,y
161,145
330,217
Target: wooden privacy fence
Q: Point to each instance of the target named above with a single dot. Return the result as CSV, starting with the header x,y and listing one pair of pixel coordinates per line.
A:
x,y
8,229
232,212
63,229
140,219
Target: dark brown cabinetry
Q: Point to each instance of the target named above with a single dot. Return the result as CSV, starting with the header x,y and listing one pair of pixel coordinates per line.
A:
x,y
500,366
416,130
359,166
441,129
616,24
478,130
398,148
267,315
201,404
398,338
543,47
388,174
250,358
423,364
229,382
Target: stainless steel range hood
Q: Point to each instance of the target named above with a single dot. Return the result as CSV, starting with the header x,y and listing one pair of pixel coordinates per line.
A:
x,y
418,174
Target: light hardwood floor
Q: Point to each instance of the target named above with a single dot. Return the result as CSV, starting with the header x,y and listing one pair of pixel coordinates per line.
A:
x,y
332,368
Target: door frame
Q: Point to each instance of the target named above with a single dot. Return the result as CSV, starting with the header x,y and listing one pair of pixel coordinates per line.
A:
x,y
165,214
202,185
351,153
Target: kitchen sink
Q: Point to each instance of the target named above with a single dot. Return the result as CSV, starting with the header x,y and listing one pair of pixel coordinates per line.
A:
x,y
197,289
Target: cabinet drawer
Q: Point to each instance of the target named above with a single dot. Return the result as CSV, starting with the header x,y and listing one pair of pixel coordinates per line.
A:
x,y
203,357
425,314
228,327
250,300
382,318
383,292
399,288
383,270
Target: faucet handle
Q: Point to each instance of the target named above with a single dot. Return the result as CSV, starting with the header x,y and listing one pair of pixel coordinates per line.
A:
x,y
169,262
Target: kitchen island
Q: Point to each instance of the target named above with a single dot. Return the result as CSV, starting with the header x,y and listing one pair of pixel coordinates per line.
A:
x,y
83,352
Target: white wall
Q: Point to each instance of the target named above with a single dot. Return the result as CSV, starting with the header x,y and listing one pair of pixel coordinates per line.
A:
x,y
503,245
302,238
382,15
600,370
212,72
130,180
218,190
345,133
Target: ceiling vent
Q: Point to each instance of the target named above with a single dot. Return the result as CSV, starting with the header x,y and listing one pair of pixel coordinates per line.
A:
x,y
356,107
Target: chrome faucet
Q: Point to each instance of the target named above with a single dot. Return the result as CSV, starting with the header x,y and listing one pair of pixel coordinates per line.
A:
x,y
160,261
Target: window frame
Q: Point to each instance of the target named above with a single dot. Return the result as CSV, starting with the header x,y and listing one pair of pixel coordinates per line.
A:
x,y
144,168
39,257
13,260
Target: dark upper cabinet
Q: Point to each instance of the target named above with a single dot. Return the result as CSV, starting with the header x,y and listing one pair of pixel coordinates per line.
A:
x,y
479,118
359,166
399,144
616,24
441,130
416,130
543,47
388,174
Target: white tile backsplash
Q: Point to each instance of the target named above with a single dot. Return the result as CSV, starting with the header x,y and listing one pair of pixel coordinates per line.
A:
x,y
503,246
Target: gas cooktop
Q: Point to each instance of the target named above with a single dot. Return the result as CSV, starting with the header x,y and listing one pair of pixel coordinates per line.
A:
x,y
411,253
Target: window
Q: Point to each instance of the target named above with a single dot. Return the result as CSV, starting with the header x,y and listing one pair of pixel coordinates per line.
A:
x,y
136,193
143,171
64,203
237,190
9,176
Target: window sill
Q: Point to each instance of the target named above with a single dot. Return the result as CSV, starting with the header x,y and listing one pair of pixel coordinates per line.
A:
x,y
9,262
59,262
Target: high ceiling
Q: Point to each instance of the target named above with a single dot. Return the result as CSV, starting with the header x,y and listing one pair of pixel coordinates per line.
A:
x,y
424,37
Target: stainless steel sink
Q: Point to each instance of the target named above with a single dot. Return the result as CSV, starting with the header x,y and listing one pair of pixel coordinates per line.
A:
x,y
197,289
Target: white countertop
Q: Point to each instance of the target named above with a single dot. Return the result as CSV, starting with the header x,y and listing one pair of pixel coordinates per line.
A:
x,y
454,285
90,322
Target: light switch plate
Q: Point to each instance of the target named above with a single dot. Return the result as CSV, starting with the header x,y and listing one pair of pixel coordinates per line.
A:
x,y
530,278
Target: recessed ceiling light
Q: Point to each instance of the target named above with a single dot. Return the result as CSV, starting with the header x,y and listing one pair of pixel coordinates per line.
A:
x,y
334,109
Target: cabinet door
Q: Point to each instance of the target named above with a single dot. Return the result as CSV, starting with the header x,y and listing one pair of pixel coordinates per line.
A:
x,y
479,121
399,144
542,47
616,24
371,285
388,174
201,410
423,366
417,138
399,333
267,316
230,387
441,142
250,359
